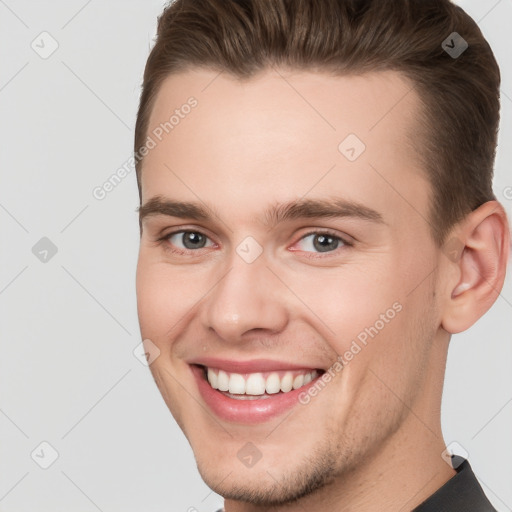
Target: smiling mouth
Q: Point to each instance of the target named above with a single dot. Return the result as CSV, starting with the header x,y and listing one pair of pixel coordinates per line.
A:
x,y
258,385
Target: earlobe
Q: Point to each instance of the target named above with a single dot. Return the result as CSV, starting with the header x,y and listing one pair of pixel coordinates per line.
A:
x,y
485,238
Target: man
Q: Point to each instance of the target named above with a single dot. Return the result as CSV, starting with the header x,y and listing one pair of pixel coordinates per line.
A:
x,y
317,219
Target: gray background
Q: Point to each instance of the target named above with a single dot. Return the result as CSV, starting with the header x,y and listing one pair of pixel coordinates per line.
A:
x,y
69,325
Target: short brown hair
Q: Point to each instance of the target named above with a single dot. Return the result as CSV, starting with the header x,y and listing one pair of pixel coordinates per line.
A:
x,y
460,96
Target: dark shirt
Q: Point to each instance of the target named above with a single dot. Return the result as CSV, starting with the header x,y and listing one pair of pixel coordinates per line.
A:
x,y
462,493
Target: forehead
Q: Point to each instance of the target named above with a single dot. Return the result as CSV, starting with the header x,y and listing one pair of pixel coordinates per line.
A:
x,y
284,134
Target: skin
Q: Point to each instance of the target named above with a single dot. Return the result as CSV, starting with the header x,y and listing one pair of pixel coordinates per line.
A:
x,y
371,439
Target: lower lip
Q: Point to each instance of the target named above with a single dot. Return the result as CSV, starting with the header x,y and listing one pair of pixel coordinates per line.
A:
x,y
247,411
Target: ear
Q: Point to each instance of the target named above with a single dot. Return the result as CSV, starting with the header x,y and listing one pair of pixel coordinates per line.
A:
x,y
478,253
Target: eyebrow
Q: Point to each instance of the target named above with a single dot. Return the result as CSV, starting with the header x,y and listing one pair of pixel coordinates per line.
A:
x,y
272,216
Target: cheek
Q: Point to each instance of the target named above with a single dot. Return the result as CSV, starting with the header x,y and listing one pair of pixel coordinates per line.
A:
x,y
368,316
161,297
345,300
168,298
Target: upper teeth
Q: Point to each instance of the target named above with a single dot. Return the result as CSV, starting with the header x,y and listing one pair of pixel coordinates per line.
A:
x,y
259,383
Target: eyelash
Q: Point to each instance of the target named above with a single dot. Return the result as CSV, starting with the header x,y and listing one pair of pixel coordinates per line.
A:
x,y
313,255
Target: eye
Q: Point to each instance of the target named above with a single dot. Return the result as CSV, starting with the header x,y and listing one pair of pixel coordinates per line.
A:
x,y
181,242
187,240
321,242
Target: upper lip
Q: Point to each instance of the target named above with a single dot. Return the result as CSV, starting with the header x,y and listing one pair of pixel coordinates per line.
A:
x,y
250,366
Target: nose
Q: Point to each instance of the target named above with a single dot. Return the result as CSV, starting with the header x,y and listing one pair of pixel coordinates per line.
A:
x,y
248,298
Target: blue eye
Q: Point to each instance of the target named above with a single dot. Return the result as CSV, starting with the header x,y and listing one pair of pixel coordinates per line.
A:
x,y
316,242
189,240
321,242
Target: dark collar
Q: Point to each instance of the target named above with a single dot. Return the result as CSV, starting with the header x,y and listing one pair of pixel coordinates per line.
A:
x,y
462,493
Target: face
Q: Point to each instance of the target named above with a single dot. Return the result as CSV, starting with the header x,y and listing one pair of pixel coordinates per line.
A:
x,y
285,275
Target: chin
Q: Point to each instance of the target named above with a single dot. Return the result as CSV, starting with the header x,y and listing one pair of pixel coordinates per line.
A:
x,y
269,485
